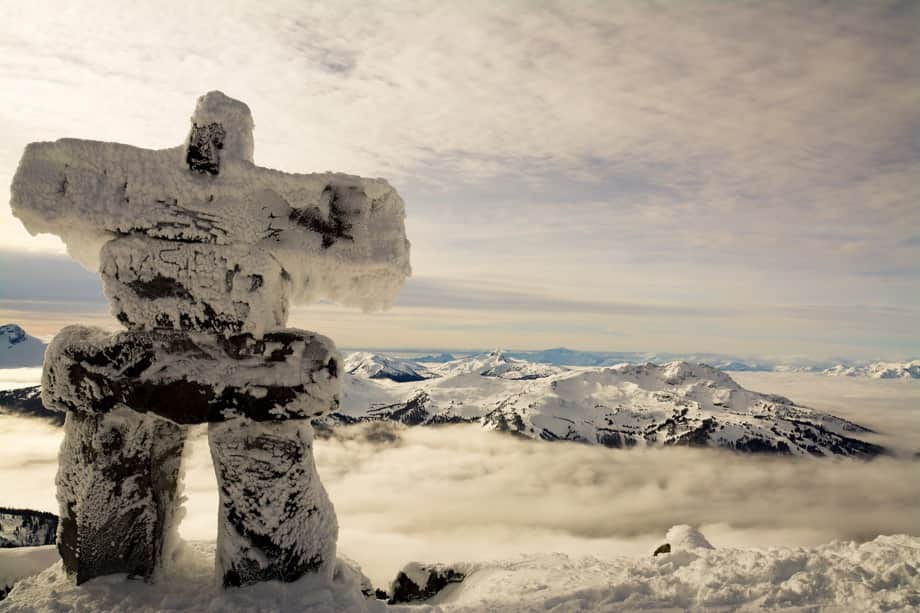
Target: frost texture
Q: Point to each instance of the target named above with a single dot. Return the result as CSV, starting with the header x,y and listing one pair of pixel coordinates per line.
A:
x,y
200,252
192,378
276,521
338,237
153,283
117,475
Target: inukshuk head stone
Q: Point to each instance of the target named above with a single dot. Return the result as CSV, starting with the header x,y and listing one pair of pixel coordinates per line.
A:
x,y
201,253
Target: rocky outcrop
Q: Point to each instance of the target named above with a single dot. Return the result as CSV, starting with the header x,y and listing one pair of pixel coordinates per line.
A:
x,y
27,528
419,582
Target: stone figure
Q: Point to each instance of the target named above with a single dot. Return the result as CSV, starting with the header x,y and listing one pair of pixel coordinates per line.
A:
x,y
201,253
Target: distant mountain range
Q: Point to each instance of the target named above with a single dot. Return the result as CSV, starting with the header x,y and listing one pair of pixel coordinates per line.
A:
x,y
18,349
677,403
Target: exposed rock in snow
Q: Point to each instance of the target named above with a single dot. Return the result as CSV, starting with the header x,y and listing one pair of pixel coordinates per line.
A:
x,y
878,370
435,359
27,401
876,576
377,366
18,349
629,404
418,582
26,528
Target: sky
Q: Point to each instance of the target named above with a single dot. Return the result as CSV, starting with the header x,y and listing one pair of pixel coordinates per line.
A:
x,y
730,177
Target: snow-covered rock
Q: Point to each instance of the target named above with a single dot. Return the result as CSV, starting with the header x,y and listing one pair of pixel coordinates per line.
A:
x,y
378,366
684,537
677,403
18,349
876,576
26,528
419,582
878,370
337,236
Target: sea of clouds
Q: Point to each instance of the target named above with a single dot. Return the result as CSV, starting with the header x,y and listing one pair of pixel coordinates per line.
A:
x,y
459,493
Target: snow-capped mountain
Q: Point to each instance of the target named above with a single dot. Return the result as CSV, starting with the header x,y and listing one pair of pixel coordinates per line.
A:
x,y
26,528
878,370
18,349
677,403
497,364
379,366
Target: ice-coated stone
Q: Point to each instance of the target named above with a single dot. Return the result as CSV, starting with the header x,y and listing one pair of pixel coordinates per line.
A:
x,y
192,378
276,520
155,283
116,486
338,237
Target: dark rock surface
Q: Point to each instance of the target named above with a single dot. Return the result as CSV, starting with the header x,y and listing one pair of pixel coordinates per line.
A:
x,y
419,582
27,528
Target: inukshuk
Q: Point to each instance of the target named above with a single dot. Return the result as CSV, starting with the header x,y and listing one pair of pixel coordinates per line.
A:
x,y
200,253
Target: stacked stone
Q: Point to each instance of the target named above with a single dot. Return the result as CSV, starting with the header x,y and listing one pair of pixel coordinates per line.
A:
x,y
201,275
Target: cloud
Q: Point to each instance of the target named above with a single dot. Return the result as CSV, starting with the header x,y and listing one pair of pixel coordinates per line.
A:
x,y
685,153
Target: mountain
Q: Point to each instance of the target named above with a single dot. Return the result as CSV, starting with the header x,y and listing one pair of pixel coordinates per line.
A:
x,y
379,366
27,528
18,349
497,364
677,403
878,370
27,401
437,359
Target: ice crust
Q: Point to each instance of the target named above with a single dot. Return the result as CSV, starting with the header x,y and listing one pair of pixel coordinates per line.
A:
x,y
276,520
192,378
339,237
154,283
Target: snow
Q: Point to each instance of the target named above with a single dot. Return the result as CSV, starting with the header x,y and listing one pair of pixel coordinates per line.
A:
x,y
673,403
880,575
19,562
878,370
842,576
684,537
18,349
338,237
191,587
111,364
376,366
224,288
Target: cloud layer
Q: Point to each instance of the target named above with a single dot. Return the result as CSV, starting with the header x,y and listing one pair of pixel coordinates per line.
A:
x,y
696,153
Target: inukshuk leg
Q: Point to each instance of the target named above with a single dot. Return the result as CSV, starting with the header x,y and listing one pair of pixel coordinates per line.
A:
x,y
276,520
116,485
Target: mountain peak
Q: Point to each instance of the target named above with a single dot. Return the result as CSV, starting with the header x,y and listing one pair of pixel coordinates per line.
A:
x,y
18,349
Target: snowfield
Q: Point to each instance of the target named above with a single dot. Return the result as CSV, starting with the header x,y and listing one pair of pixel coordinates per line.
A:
x,y
677,403
880,575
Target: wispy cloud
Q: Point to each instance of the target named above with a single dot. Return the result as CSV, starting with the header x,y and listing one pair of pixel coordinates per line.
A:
x,y
694,155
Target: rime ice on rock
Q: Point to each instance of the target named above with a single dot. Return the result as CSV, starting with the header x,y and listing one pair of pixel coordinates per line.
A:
x,y
200,253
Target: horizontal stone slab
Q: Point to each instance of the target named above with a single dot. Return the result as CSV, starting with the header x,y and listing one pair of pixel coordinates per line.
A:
x,y
193,378
339,237
153,283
